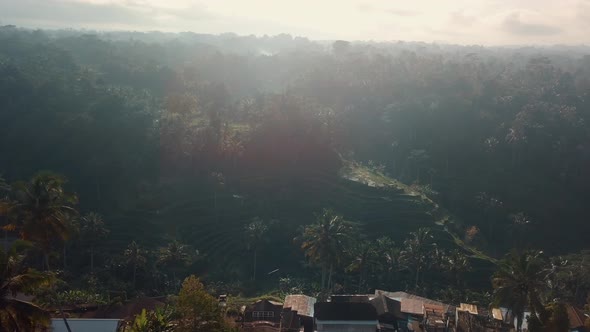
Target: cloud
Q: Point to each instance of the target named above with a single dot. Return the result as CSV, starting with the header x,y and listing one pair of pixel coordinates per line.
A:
x,y
369,8
129,13
462,19
401,12
514,25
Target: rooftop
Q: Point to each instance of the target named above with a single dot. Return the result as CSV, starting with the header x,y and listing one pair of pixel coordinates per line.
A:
x,y
302,304
345,311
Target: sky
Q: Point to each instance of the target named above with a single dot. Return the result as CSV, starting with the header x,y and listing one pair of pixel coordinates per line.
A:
x,y
481,22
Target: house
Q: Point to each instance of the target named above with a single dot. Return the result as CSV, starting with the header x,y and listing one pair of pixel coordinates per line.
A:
x,y
435,318
85,324
298,312
345,317
262,315
418,313
388,312
470,317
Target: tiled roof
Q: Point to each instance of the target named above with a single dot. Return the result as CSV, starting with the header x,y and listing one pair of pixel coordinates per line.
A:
x,y
404,295
300,303
386,305
400,296
351,311
412,306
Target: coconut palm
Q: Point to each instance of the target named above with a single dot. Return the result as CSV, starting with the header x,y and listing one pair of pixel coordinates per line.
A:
x,y
18,315
417,251
255,232
175,256
325,241
93,230
41,211
135,258
519,283
364,258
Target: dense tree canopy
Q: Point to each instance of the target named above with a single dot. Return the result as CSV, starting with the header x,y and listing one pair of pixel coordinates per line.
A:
x,y
445,157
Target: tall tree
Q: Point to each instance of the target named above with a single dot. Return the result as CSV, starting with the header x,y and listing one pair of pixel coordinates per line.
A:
x,y
519,283
417,251
175,256
135,257
92,232
41,211
255,233
364,257
325,241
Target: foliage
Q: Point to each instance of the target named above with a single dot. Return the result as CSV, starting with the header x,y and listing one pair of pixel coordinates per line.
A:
x,y
197,310
159,320
519,283
324,242
16,314
191,136
42,211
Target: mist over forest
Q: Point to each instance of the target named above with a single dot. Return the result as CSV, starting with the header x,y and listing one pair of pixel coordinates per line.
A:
x,y
131,160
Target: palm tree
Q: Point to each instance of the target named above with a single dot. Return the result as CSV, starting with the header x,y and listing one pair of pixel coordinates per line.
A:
x,y
456,264
92,230
174,256
325,241
41,211
17,315
388,254
417,252
364,256
255,232
135,258
518,283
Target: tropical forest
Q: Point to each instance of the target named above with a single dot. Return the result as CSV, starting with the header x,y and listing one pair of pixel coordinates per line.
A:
x,y
189,165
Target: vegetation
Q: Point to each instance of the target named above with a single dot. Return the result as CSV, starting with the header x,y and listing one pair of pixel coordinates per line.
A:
x,y
402,166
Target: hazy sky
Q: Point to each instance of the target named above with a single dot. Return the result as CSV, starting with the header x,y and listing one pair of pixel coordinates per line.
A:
x,y
488,22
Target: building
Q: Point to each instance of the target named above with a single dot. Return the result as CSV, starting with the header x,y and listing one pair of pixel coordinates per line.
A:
x,y
262,315
418,313
388,312
470,317
298,313
345,317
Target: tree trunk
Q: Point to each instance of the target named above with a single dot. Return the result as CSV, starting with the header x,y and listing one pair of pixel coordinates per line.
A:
x,y
65,257
92,259
323,285
417,277
46,258
134,274
330,278
254,272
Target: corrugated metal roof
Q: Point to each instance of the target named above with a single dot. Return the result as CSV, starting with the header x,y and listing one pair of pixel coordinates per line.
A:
x,y
399,296
301,303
